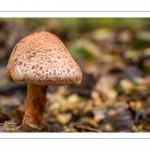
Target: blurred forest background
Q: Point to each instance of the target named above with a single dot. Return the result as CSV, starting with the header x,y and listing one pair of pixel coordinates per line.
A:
x,y
114,56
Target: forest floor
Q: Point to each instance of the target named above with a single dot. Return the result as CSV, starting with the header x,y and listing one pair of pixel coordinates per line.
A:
x,y
114,95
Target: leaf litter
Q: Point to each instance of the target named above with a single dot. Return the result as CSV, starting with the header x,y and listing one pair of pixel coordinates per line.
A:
x,y
114,95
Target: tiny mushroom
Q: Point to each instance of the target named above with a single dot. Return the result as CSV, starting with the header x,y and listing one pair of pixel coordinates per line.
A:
x,y
39,60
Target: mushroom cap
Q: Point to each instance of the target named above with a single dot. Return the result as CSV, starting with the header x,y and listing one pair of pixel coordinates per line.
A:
x,y
41,58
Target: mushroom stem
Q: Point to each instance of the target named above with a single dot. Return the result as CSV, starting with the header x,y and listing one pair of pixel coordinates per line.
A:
x,y
35,105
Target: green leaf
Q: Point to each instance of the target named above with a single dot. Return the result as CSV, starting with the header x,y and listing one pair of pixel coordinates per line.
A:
x,y
82,53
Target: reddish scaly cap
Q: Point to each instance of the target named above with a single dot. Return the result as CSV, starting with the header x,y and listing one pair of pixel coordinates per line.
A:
x,y
41,58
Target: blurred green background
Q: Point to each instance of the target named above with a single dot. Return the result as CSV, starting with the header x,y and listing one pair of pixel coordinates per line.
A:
x,y
69,29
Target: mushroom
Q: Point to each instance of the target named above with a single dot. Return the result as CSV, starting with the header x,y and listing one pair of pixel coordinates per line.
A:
x,y
39,60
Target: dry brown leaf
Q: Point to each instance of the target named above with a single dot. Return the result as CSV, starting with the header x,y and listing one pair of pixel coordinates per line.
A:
x,y
64,118
89,121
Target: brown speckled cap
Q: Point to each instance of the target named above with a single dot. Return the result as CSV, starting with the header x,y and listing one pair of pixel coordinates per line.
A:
x,y
41,58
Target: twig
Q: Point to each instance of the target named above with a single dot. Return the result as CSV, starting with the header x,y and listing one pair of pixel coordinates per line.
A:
x,y
81,128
